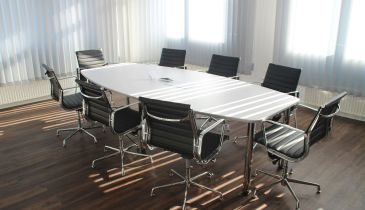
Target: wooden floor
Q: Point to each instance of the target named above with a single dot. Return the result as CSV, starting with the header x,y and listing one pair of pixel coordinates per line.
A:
x,y
36,172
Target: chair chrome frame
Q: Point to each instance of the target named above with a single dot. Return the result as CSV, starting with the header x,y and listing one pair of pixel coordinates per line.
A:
x,y
285,116
187,180
79,127
284,179
121,137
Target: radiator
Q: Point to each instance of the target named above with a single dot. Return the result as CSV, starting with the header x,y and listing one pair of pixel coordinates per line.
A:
x,y
28,92
351,106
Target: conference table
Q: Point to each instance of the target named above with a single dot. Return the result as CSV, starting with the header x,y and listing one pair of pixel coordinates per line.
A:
x,y
207,94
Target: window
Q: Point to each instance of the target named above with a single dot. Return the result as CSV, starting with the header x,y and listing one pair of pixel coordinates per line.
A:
x,y
206,20
355,42
175,22
312,27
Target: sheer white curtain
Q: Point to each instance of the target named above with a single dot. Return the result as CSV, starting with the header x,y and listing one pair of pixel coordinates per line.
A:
x,y
205,27
326,39
50,31
33,32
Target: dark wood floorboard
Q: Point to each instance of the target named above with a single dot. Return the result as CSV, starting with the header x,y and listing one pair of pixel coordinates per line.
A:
x,y
36,172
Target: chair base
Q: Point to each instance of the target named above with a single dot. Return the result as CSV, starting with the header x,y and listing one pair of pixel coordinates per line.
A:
x,y
121,151
285,180
188,181
77,129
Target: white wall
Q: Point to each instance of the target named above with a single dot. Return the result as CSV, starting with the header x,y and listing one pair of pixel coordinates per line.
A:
x,y
263,46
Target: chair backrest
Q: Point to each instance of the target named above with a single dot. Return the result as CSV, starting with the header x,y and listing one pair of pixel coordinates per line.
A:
x,y
223,65
172,127
96,103
88,59
281,78
172,57
322,122
55,84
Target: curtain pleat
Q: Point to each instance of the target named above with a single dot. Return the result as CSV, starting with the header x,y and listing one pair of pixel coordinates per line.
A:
x,y
324,64
34,32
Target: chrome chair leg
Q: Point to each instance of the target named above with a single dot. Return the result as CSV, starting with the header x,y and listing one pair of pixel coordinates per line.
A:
x,y
177,174
77,129
235,140
185,196
104,157
263,188
187,180
201,175
65,129
166,185
88,133
284,180
207,188
305,183
139,154
268,174
293,193
68,137
120,151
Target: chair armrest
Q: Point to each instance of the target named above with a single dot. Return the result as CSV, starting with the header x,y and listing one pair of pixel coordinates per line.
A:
x,y
331,115
211,127
307,107
91,97
198,142
294,93
125,106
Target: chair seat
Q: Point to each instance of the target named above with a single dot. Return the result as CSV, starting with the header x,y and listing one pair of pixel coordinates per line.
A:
x,y
73,101
283,140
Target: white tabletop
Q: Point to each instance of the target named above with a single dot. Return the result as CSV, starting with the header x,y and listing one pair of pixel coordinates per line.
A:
x,y
206,93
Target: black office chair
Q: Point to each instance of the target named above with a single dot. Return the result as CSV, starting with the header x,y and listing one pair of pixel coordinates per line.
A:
x,y
172,58
171,126
226,66
123,121
88,59
292,145
67,102
283,79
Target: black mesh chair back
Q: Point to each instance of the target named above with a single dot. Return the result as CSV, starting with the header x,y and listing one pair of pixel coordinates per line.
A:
x,y
171,126
223,65
172,57
325,113
175,136
88,59
55,84
97,108
281,78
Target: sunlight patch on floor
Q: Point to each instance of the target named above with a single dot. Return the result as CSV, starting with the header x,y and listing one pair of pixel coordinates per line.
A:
x,y
137,173
122,185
